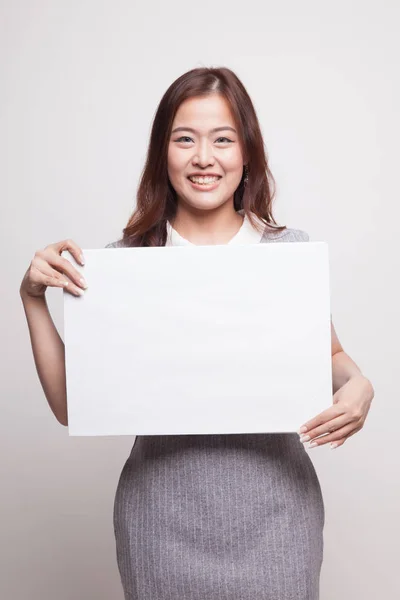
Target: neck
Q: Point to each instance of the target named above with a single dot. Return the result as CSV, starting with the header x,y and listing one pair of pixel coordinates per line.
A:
x,y
207,227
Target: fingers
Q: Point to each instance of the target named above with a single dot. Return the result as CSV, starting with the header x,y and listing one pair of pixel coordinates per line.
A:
x,y
49,268
338,443
72,247
327,427
63,265
52,255
337,436
43,273
327,415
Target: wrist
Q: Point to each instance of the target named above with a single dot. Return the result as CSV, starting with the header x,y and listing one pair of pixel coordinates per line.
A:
x,y
25,297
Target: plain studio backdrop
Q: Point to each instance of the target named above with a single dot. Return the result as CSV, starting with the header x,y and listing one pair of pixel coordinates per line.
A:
x,y
80,85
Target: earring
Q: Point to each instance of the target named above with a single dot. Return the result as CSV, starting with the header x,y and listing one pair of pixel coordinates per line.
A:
x,y
246,175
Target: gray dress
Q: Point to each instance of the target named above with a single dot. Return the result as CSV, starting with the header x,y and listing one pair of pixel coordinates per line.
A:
x,y
220,517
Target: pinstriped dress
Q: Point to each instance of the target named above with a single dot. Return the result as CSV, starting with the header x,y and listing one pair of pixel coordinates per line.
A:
x,y
220,517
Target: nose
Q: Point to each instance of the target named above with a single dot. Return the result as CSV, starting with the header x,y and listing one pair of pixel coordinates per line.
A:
x,y
203,155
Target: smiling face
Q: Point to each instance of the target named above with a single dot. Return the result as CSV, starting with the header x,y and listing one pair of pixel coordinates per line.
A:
x,y
205,141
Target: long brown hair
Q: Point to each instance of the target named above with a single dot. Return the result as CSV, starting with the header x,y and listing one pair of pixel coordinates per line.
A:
x,y
157,199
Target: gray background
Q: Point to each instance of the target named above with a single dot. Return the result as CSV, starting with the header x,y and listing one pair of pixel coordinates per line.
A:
x,y
80,84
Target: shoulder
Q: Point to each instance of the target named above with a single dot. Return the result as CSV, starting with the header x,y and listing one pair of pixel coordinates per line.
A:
x,y
287,235
117,244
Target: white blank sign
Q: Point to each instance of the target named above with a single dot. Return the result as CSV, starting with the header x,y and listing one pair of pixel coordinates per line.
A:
x,y
199,339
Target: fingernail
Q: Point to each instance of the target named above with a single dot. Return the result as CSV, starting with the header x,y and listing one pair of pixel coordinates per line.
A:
x,y
80,292
333,445
302,430
82,259
305,438
83,282
313,444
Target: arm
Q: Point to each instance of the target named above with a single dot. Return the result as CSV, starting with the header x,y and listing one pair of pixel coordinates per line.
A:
x,y
352,397
343,367
49,268
48,353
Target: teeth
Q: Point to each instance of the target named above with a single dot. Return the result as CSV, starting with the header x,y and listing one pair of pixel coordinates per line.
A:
x,y
203,180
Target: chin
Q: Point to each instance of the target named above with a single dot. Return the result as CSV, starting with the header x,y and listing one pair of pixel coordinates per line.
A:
x,y
205,203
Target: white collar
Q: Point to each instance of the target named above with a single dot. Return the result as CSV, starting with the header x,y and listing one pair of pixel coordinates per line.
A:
x,y
247,234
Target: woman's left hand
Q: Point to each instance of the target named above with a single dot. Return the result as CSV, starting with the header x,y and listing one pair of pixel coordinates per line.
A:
x,y
351,404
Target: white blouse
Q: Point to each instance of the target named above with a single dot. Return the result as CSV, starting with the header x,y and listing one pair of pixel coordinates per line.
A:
x,y
246,234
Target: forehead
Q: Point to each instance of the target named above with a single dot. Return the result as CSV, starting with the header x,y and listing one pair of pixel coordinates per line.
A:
x,y
204,113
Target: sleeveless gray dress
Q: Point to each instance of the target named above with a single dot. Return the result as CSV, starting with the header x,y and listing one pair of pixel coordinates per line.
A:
x,y
220,517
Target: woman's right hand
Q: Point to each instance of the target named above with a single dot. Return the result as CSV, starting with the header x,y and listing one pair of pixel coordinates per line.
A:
x,y
49,269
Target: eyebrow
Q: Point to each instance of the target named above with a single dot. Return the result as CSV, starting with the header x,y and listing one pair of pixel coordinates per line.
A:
x,y
224,128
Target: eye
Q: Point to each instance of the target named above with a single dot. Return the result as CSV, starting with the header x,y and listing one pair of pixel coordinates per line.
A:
x,y
184,137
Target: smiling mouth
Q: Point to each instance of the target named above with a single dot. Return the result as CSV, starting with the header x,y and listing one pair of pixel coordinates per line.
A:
x,y
204,182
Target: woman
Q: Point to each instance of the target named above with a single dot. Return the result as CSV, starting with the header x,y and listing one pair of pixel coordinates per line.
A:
x,y
236,516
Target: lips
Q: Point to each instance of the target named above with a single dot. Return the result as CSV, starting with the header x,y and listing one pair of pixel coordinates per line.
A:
x,y
204,175
205,187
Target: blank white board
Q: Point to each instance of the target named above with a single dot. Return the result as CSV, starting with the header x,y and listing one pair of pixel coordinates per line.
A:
x,y
199,339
